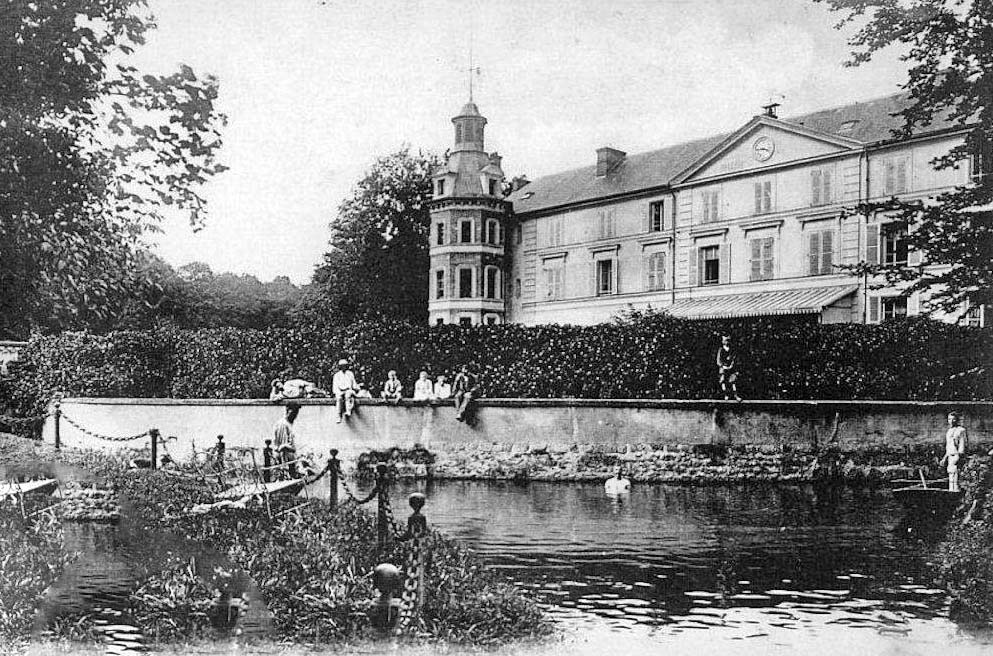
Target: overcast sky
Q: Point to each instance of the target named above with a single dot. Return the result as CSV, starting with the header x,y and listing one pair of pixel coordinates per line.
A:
x,y
316,91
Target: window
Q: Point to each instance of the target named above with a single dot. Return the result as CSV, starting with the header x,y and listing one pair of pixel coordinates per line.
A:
x,y
974,315
656,272
711,205
981,166
886,307
821,192
604,277
458,132
493,187
606,223
710,265
656,216
517,288
894,176
763,197
492,282
465,321
555,231
439,283
439,321
894,307
491,320
441,187
493,232
465,282
762,262
440,233
465,231
820,252
519,230
554,279
894,245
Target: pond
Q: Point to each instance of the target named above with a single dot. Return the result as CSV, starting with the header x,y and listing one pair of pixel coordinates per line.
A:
x,y
721,569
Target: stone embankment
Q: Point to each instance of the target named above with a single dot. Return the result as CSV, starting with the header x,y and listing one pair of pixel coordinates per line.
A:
x,y
685,464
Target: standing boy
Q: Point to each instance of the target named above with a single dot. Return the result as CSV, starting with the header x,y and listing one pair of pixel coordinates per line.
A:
x,y
955,446
285,439
727,368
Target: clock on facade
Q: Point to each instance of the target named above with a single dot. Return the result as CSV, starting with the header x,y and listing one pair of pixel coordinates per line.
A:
x,y
763,148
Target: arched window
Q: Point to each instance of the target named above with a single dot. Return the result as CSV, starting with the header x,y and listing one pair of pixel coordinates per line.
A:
x,y
492,282
656,271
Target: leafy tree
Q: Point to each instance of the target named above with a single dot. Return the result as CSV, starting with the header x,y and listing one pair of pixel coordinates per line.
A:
x,y
377,264
91,151
949,46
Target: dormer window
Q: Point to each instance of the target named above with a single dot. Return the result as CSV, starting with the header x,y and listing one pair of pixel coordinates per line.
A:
x,y
847,127
441,187
493,187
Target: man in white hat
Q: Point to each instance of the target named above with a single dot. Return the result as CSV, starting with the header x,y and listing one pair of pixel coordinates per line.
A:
x,y
344,387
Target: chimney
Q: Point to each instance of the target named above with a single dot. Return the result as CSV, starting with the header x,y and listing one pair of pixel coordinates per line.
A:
x,y
495,159
770,109
607,159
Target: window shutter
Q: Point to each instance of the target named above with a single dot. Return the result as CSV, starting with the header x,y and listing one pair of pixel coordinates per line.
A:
x,y
826,196
815,187
758,197
768,264
724,275
813,253
913,305
827,252
872,243
756,260
913,257
693,268
889,183
901,175
873,309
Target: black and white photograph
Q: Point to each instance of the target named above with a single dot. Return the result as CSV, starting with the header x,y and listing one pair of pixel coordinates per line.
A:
x,y
477,328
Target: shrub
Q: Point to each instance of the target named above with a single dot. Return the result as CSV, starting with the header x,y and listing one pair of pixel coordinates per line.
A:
x,y
643,355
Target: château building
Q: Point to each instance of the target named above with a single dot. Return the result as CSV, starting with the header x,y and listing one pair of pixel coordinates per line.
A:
x,y
751,223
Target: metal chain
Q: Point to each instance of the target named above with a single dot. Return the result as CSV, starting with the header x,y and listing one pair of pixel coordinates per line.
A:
x,y
351,495
98,436
411,583
399,530
23,421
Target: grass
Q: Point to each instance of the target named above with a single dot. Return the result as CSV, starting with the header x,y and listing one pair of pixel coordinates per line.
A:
x,y
312,566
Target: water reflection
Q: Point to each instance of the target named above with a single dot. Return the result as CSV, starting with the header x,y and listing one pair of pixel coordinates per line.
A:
x,y
756,563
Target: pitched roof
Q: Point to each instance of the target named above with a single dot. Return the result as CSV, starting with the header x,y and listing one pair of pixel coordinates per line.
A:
x,y
866,122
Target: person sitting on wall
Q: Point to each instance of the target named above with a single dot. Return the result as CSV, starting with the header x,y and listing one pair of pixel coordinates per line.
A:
x,y
955,446
465,388
727,369
423,389
300,388
344,386
618,484
284,439
276,390
363,392
392,388
442,389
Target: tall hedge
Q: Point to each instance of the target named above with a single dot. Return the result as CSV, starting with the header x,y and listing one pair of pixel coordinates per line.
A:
x,y
641,356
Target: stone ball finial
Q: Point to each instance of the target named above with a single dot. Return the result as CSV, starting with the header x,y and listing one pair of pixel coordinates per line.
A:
x,y
416,501
386,577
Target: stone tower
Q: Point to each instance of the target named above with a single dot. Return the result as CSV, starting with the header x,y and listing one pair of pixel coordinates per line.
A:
x,y
468,221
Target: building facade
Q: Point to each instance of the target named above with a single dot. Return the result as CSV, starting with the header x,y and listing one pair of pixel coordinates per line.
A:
x,y
752,223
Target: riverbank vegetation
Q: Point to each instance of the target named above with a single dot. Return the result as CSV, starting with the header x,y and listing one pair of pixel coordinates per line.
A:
x,y
311,565
966,566
646,355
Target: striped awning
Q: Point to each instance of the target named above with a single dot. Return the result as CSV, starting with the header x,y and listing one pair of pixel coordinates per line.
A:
x,y
759,304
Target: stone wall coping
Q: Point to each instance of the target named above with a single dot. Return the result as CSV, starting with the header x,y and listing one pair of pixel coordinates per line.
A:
x,y
688,404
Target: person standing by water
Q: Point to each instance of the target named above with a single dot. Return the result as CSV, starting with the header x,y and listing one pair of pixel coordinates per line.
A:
x,y
955,445
344,387
727,368
464,389
284,439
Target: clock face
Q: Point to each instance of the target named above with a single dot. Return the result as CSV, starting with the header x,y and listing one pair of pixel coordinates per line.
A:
x,y
763,148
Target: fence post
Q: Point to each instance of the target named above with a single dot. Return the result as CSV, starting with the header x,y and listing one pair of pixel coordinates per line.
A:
x,y
383,522
417,526
58,432
153,435
267,462
333,464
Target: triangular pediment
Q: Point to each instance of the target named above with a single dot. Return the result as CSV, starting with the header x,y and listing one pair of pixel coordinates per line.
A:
x,y
764,142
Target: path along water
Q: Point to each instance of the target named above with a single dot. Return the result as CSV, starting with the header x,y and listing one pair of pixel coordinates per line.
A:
x,y
700,570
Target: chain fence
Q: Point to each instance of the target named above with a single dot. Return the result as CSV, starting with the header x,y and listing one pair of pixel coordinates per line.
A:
x,y
107,438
